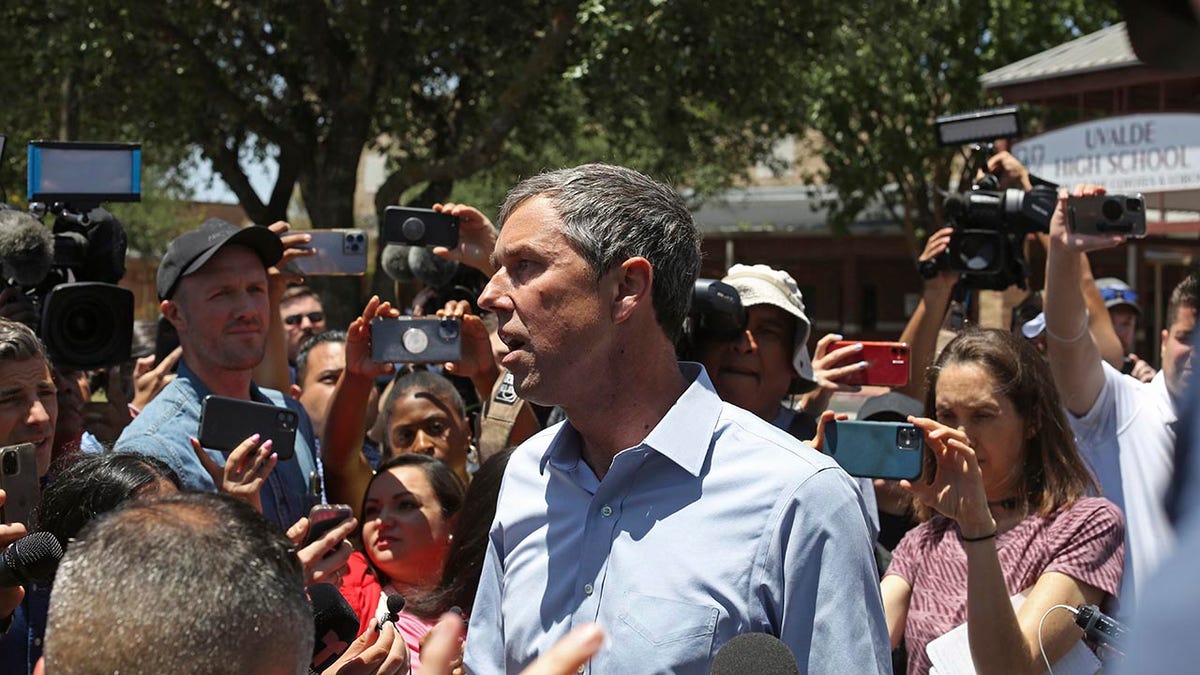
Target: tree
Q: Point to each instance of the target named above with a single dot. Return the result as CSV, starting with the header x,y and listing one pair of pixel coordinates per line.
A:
x,y
891,68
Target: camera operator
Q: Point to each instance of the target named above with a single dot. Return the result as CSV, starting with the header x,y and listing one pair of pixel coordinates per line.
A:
x,y
1124,426
28,411
213,284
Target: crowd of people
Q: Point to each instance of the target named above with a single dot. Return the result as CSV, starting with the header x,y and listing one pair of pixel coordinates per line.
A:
x,y
570,495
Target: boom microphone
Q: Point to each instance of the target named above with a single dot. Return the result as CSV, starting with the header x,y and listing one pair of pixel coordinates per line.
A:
x,y
395,262
335,625
26,248
431,270
755,653
30,559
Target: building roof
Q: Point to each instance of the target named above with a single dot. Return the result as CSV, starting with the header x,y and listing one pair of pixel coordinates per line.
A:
x,y
1106,49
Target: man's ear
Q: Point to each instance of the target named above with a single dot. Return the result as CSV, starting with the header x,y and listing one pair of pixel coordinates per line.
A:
x,y
170,310
634,287
295,392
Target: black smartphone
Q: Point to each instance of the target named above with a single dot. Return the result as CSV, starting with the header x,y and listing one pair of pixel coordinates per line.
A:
x,y
889,450
416,340
338,253
166,339
226,422
21,484
325,517
1107,214
419,227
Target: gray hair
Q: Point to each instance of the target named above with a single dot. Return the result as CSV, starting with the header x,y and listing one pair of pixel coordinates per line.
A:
x,y
611,214
18,342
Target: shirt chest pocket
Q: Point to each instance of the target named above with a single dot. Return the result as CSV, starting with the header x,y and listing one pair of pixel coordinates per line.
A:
x,y
665,622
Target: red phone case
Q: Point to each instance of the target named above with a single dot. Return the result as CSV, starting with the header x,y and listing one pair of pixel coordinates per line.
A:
x,y
887,363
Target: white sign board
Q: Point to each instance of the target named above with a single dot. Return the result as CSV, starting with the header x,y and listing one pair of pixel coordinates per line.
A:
x,y
1136,153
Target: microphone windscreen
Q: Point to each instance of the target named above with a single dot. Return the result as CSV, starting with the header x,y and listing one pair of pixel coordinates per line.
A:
x,y
32,558
335,625
395,262
26,248
395,603
755,653
432,270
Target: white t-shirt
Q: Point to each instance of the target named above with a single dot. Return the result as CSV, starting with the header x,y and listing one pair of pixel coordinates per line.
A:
x,y
1128,441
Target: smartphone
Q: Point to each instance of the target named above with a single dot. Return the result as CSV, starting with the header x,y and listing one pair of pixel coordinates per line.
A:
x,y
416,340
419,227
226,422
1107,214
887,363
20,481
891,450
325,517
339,253
166,339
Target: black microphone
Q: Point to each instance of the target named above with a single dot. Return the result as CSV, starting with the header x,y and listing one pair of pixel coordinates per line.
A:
x,y
1100,627
395,262
755,653
30,559
26,249
335,625
395,605
432,270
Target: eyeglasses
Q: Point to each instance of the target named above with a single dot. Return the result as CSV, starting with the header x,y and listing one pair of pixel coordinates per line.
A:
x,y
1125,294
295,319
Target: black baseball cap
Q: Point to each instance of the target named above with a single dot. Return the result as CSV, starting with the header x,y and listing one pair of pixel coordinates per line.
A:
x,y
189,251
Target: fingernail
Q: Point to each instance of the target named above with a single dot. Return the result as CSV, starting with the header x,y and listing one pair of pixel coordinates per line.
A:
x,y
858,346
268,444
589,636
838,336
862,365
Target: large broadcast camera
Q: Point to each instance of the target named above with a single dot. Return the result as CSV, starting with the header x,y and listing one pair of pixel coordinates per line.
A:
x,y
990,224
68,273
716,314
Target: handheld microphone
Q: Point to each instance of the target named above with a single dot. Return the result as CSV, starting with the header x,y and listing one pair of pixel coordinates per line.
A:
x,y
26,249
395,262
335,625
30,559
1099,627
755,653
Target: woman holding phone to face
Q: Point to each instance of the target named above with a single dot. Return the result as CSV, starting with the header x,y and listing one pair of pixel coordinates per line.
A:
x,y
1003,502
408,513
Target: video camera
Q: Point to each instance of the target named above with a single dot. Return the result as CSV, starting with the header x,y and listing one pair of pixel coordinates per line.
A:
x,y
716,314
69,273
990,224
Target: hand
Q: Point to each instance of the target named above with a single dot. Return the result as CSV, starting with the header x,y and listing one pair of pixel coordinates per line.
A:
x,y
956,489
564,658
245,470
937,244
324,560
1060,234
477,359
358,340
15,306
106,419
818,441
293,247
891,498
10,597
375,652
829,374
476,238
150,379
1011,172
1141,370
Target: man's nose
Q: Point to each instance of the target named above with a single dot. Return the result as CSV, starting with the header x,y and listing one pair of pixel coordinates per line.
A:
x,y
492,293
745,343
38,415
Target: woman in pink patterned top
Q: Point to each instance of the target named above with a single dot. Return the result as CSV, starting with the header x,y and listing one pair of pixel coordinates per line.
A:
x,y
1005,512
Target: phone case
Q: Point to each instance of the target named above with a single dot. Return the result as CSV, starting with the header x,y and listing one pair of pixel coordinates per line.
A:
x,y
890,450
419,227
226,422
415,340
325,517
1107,214
887,364
19,478
339,253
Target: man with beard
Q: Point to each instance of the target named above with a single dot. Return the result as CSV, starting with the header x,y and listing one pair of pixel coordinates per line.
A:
x,y
213,285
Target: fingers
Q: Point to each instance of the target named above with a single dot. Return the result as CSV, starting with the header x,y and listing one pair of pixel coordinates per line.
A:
x,y
327,543
823,345
569,653
297,531
143,366
441,647
214,470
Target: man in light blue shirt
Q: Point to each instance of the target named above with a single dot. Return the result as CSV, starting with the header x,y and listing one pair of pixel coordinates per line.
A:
x,y
673,520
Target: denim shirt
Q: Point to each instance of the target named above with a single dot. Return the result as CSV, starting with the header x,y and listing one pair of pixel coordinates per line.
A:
x,y
163,428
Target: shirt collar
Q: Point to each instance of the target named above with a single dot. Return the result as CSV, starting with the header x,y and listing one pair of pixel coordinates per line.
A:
x,y
683,435
184,373
1159,386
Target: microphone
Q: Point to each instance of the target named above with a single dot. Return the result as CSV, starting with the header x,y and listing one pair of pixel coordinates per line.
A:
x,y
1099,627
431,270
30,559
26,249
395,604
335,625
755,653
395,262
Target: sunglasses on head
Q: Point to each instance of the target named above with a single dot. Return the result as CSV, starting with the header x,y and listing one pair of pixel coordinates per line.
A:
x,y
295,319
1128,295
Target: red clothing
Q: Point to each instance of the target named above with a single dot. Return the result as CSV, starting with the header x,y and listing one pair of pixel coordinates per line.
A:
x,y
363,592
1086,542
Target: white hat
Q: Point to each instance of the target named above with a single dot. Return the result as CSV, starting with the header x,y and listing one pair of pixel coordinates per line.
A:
x,y
763,285
1034,327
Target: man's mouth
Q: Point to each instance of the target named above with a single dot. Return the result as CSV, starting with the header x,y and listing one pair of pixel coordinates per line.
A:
x,y
740,372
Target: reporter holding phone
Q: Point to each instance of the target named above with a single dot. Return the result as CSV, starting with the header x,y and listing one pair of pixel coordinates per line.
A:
x,y
1005,511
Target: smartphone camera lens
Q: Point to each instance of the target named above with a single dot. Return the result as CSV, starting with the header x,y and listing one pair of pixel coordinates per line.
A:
x,y
908,438
10,463
1112,209
448,330
413,229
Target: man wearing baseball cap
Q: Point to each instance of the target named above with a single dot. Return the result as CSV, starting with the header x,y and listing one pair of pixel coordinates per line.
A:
x,y
213,288
1121,302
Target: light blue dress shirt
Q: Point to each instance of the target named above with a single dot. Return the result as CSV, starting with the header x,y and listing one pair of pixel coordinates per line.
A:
x,y
717,524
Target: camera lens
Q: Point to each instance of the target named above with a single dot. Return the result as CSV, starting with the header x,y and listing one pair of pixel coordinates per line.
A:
x,y
10,463
415,341
88,324
908,438
1112,209
977,253
448,330
413,229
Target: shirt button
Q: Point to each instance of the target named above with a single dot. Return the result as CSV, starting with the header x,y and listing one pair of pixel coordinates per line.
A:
x,y
581,669
606,511
587,589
